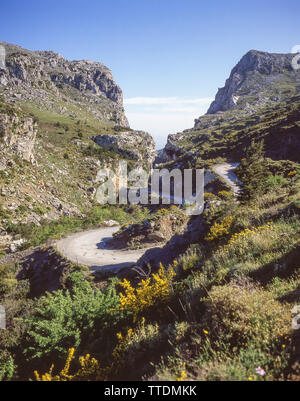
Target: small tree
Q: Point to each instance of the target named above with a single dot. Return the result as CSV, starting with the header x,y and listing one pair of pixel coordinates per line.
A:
x,y
252,172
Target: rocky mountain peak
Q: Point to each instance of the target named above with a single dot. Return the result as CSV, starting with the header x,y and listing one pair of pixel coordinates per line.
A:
x,y
263,62
251,76
260,97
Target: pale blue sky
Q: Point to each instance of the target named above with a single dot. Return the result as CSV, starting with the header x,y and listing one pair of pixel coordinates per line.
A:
x,y
168,56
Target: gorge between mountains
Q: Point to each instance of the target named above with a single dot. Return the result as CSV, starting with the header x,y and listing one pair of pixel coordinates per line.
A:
x,y
147,291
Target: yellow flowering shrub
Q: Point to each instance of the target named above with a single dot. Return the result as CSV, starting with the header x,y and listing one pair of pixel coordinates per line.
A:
x,y
182,375
238,237
219,230
154,290
209,196
89,367
89,370
123,341
162,211
225,194
132,342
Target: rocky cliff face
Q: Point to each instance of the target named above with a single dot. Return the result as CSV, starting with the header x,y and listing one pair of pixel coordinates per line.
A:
x,y
253,75
45,78
135,145
18,133
172,150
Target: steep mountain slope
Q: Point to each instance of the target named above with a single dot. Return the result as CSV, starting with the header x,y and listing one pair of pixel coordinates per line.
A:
x,y
260,99
53,113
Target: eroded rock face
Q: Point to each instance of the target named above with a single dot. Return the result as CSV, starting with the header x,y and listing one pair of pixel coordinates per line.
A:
x,y
136,145
18,133
172,150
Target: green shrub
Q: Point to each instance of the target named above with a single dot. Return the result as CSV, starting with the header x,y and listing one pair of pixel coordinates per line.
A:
x,y
275,181
63,320
244,314
7,366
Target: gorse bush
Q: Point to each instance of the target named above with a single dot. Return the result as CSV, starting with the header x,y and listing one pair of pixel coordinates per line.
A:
x,y
252,250
239,237
219,230
153,291
89,370
208,196
225,195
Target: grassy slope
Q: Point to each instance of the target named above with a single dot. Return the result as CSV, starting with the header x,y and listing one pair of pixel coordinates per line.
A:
x,y
225,138
233,300
225,313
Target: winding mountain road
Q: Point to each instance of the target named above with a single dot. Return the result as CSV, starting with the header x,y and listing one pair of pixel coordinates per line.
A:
x,y
226,171
91,248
